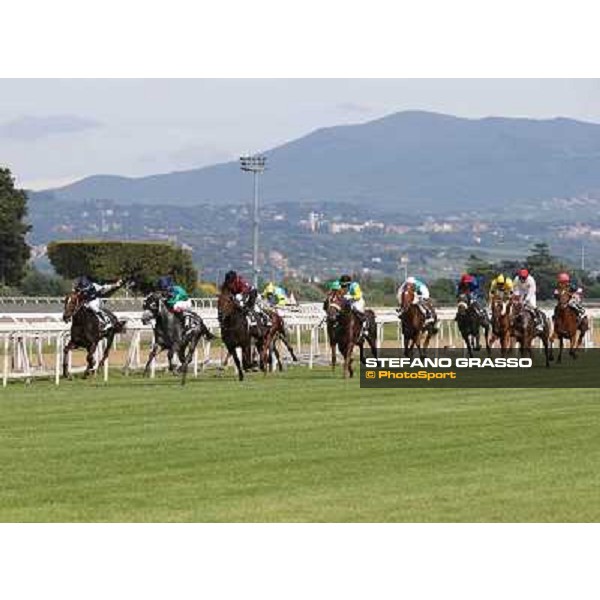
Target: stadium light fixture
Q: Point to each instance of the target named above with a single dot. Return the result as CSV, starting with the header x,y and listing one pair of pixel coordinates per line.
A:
x,y
256,165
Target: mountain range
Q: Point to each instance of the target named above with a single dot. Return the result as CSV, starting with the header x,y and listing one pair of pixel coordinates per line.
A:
x,y
408,161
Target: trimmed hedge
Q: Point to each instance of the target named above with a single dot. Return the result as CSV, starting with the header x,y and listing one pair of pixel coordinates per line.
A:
x,y
142,262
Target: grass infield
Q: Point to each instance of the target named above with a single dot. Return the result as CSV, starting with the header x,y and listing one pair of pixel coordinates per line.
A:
x,y
302,446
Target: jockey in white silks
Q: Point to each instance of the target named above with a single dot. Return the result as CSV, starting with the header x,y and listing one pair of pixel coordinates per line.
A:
x,y
421,298
524,286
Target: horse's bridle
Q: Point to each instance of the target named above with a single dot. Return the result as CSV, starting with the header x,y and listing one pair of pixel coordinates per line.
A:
x,y
79,304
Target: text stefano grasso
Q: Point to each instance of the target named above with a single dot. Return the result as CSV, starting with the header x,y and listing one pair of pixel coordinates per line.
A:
x,y
445,363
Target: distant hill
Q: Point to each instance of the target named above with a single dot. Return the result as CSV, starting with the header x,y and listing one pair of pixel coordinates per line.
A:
x,y
407,161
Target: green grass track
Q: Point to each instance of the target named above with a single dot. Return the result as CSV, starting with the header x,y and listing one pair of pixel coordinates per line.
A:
x,y
302,446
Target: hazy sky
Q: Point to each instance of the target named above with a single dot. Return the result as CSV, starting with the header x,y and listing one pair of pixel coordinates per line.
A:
x,y
56,131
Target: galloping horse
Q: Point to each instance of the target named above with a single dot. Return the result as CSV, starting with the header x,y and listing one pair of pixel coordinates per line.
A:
x,y
86,332
470,318
237,333
169,334
276,333
346,331
566,326
501,320
414,331
524,331
331,316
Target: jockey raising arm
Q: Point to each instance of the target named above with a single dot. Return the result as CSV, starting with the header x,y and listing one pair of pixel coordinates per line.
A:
x,y
524,286
93,293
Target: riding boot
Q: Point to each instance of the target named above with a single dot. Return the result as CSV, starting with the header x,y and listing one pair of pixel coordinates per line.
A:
x,y
104,321
183,319
539,323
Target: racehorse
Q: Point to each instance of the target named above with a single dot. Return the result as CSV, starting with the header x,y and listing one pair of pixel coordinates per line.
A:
x,y
347,331
331,322
237,333
501,322
414,331
470,318
170,334
276,333
86,332
524,331
566,326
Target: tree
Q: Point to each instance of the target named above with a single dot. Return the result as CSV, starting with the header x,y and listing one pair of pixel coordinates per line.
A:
x,y
143,262
36,283
14,251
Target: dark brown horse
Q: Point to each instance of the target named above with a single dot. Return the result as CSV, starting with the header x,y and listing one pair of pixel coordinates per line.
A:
x,y
567,325
333,299
347,331
86,332
471,318
524,331
501,320
414,330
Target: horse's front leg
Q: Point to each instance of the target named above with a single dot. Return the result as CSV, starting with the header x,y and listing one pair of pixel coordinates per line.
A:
x,y
560,350
573,345
189,354
70,346
348,370
91,351
170,355
109,341
153,352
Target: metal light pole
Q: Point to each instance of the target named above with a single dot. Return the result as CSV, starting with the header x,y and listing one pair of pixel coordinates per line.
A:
x,y
256,165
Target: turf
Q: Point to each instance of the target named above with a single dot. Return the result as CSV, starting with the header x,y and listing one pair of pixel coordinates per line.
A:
x,y
302,446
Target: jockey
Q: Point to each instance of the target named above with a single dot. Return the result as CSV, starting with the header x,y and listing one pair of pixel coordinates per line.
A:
x,y
353,294
93,293
177,299
524,286
501,285
563,282
421,299
243,293
468,284
275,295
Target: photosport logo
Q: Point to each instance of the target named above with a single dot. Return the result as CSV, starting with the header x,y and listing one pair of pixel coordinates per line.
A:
x,y
452,368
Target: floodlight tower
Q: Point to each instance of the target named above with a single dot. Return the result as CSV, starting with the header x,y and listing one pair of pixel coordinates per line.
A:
x,y
256,165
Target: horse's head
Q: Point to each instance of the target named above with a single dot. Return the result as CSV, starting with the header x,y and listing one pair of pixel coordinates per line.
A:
x,y
500,305
151,307
407,297
463,304
563,297
226,304
73,302
334,303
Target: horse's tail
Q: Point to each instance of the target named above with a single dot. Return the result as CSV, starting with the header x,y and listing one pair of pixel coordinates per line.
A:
x,y
120,326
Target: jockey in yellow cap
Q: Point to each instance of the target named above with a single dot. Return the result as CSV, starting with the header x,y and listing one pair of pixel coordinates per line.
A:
x,y
501,285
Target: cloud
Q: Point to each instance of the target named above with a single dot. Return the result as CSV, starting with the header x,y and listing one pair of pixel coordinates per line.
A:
x,y
33,128
354,107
